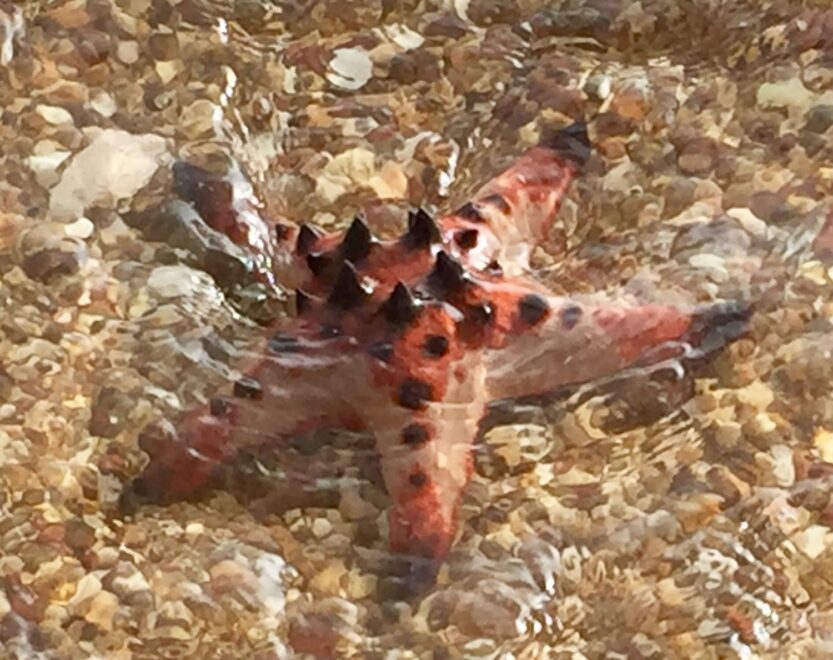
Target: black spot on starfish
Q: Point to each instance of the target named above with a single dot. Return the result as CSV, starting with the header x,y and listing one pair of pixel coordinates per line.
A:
x,y
418,479
414,435
494,268
247,388
532,308
570,316
413,393
218,406
435,345
468,211
466,239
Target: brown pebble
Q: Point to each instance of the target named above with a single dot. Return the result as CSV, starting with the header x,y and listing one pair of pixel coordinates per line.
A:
x,y
79,535
163,46
24,601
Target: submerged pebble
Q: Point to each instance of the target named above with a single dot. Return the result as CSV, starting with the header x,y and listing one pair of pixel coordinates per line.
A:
x,y
684,514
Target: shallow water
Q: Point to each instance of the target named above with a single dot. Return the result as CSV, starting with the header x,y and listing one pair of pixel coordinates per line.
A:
x,y
681,511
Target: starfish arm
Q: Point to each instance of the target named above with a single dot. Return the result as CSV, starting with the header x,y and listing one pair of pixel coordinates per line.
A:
x,y
513,212
426,461
284,395
227,204
574,342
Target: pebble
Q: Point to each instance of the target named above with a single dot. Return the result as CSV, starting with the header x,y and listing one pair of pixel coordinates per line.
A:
x,y
414,65
168,70
11,225
163,46
361,585
813,541
715,264
88,587
81,228
5,606
104,104
698,156
110,412
46,166
199,119
229,575
115,166
353,507
749,221
49,263
783,94
128,52
321,527
102,610
599,86
823,441
819,119
78,535
328,580
784,470
195,529
391,182
176,281
350,68
54,114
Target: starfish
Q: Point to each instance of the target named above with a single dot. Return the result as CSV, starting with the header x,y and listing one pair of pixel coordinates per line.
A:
x,y
411,339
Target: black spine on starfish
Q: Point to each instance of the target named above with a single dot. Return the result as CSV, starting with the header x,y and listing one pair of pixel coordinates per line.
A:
x,y
422,230
347,292
318,263
401,308
448,275
307,236
357,241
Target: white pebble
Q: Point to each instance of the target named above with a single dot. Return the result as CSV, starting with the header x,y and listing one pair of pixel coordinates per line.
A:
x,y
351,68
321,527
175,281
783,94
104,104
128,51
115,166
54,115
81,228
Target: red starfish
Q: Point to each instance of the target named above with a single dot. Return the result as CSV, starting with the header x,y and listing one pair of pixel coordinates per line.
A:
x,y
411,339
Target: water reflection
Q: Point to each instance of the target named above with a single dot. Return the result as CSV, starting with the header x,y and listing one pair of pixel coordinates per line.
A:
x,y
665,514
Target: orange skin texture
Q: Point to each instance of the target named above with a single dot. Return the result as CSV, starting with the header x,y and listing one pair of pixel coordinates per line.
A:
x,y
411,339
